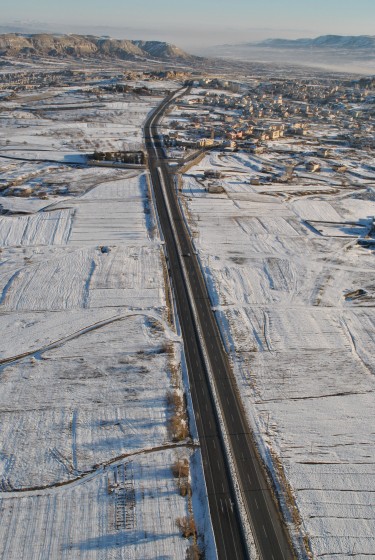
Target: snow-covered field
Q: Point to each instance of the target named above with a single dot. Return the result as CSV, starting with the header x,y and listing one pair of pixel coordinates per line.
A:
x,y
66,125
280,266
88,353
126,510
91,363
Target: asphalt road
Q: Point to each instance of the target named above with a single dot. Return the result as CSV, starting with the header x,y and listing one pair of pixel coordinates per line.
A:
x,y
263,515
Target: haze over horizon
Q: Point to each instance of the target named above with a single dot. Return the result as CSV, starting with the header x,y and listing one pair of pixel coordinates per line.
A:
x,y
192,25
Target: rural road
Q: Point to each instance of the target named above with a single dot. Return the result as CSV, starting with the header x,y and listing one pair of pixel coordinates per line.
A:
x,y
206,357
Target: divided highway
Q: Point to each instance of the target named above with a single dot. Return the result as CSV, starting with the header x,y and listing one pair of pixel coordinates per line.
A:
x,y
204,358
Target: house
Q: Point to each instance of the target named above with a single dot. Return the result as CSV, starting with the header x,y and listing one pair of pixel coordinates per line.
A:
x,y
205,142
323,152
312,166
215,188
339,168
260,133
212,174
255,181
251,147
275,134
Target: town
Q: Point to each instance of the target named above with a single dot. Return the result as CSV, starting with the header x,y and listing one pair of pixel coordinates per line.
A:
x,y
241,116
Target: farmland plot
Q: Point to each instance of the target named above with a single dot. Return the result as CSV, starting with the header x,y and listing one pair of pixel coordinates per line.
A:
x,y
293,293
88,356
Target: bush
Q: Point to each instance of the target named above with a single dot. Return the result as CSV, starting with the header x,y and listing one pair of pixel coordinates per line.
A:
x,y
180,468
194,553
186,526
174,399
185,489
177,424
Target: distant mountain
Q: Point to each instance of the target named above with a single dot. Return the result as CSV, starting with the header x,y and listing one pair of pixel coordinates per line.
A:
x,y
324,42
159,49
78,46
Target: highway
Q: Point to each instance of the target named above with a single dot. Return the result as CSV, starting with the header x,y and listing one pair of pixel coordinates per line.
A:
x,y
205,356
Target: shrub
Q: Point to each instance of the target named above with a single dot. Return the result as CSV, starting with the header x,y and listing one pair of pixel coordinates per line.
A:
x,y
187,526
180,468
194,553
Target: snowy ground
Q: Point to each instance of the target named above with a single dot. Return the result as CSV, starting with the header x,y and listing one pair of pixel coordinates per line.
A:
x,y
126,511
64,125
88,352
280,261
87,357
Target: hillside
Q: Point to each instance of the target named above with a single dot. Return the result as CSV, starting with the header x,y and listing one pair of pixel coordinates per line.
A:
x,y
78,46
324,41
338,53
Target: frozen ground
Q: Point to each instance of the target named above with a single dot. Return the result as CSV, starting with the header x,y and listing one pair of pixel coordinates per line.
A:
x,y
281,262
125,511
88,356
64,126
45,180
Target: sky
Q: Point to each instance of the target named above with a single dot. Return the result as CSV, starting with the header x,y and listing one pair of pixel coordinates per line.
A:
x,y
193,23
